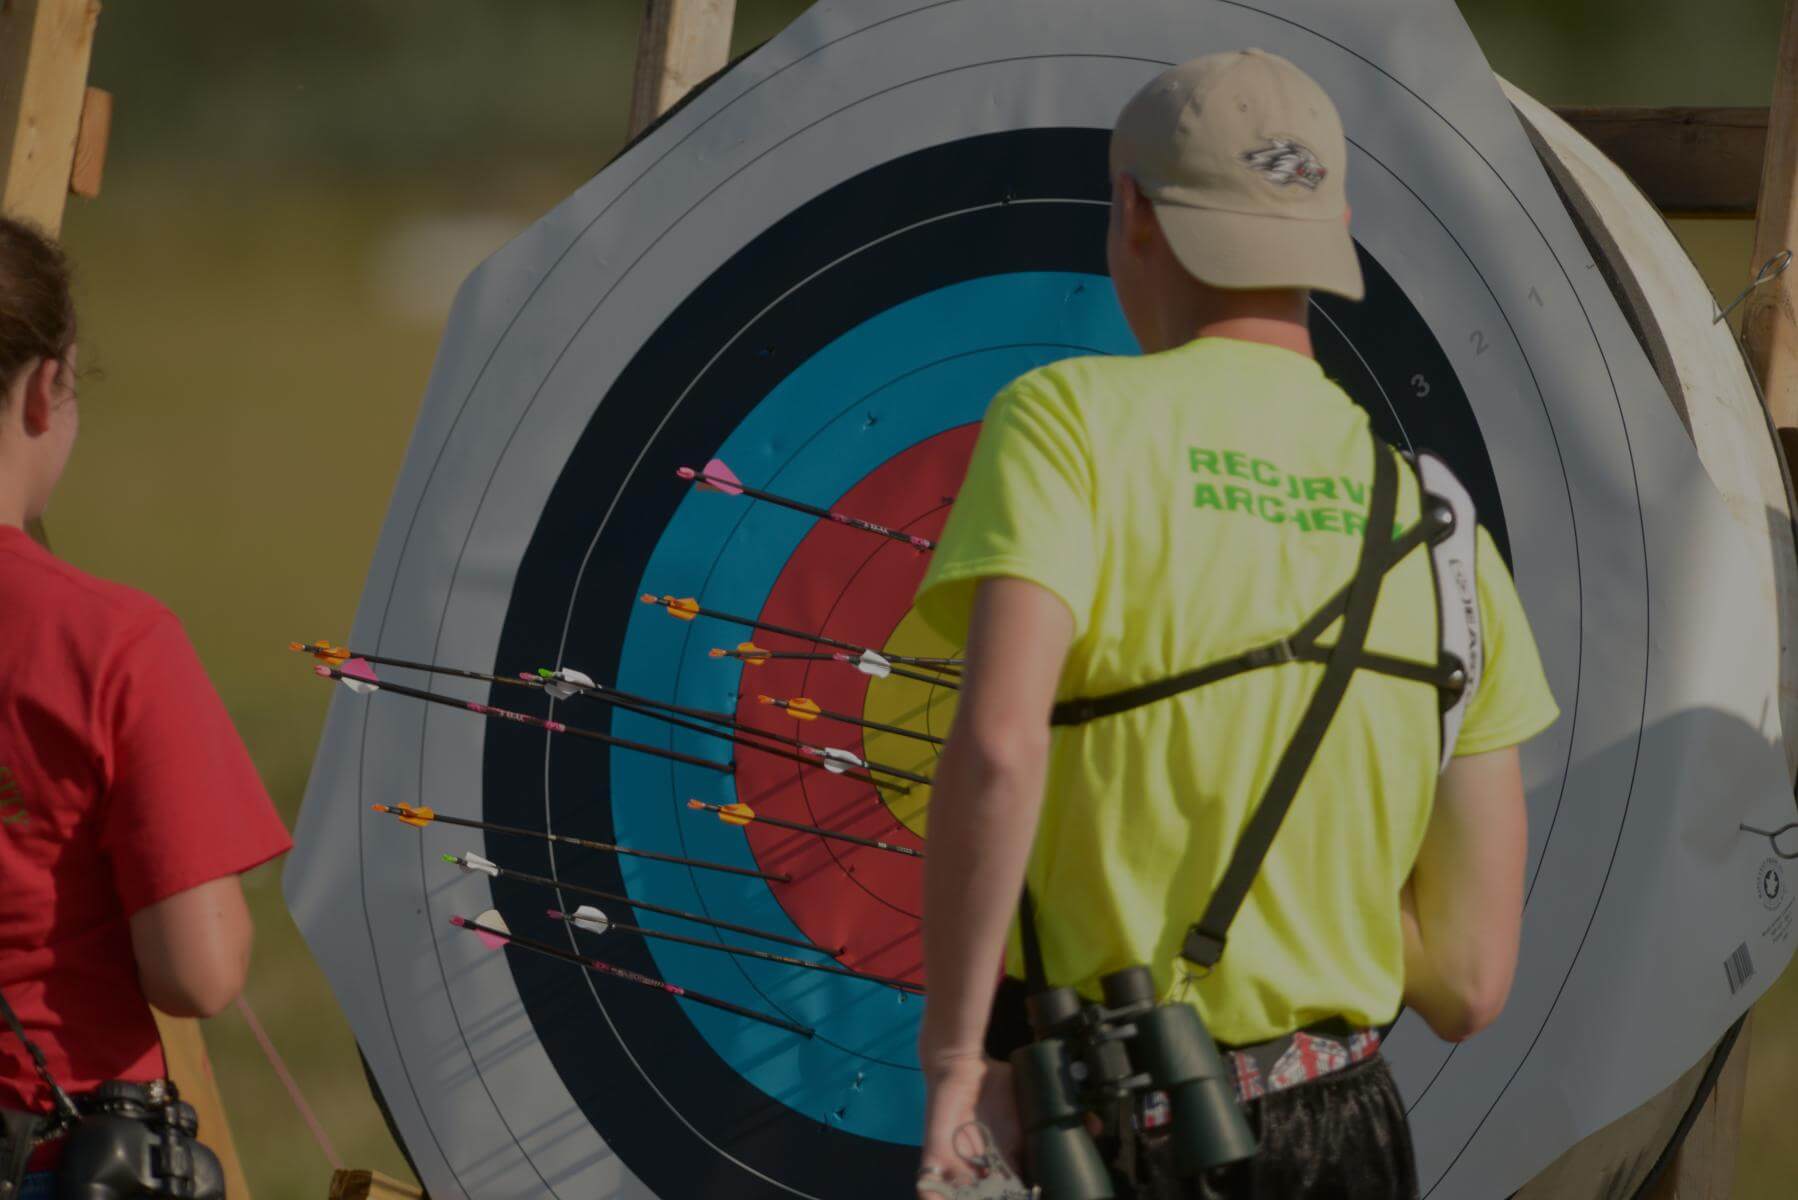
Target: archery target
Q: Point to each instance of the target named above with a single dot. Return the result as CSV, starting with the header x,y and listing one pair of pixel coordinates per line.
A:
x,y
819,272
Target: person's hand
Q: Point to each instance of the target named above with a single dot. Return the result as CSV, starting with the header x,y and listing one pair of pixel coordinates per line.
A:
x,y
998,1107
953,1088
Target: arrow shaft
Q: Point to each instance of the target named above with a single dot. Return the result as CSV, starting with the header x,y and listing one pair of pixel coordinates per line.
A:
x,y
828,968
629,976
816,831
818,639
741,732
603,847
506,714
863,722
664,910
826,514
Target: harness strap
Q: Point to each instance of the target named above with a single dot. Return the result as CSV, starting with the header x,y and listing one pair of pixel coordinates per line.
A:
x,y
1300,646
1204,942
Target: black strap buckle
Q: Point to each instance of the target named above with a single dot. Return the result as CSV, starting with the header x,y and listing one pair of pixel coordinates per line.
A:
x,y
1271,655
1202,948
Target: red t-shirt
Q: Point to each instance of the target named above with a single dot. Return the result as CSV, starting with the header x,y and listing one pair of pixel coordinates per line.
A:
x,y
122,783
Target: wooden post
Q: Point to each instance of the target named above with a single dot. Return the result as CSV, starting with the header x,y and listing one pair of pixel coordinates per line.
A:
x,y
44,50
683,43
1770,314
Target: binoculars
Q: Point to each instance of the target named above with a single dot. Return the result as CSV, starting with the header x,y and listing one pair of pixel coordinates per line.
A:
x,y
1091,1058
137,1140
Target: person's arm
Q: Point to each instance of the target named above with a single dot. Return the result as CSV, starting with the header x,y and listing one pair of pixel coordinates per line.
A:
x,y
1462,909
193,949
984,807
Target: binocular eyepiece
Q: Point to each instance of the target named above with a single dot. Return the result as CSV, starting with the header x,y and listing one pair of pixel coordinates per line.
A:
x,y
1088,1058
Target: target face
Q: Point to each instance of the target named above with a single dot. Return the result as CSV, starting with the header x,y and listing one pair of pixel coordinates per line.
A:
x,y
819,273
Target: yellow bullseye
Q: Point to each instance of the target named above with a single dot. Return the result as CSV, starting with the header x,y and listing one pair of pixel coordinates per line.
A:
x,y
910,704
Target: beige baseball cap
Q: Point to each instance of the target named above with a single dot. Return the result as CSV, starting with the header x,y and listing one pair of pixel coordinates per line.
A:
x,y
1243,157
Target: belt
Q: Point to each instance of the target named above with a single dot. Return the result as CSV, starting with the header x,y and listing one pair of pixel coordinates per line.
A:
x,y
1298,1057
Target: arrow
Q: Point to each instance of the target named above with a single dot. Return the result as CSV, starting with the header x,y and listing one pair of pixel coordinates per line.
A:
x,y
367,682
421,816
493,934
360,677
742,814
868,662
802,709
475,863
836,761
720,478
686,608
592,920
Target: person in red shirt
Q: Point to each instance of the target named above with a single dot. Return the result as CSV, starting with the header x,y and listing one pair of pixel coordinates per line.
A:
x,y
128,804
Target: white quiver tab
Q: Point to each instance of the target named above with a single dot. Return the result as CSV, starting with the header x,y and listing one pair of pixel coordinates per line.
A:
x,y
1453,558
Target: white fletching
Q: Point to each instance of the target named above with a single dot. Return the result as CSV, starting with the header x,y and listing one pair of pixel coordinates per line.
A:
x,y
474,862
568,682
873,664
591,919
837,761
358,686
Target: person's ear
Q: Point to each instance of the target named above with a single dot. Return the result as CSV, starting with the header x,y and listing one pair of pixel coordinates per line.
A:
x,y
1138,224
40,394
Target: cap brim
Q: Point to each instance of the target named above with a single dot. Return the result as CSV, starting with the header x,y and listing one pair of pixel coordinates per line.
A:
x,y
1252,250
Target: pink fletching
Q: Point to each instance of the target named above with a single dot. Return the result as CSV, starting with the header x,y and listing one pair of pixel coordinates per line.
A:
x,y
358,668
492,941
721,478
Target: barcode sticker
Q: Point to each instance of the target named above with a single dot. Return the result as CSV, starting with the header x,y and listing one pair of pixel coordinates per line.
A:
x,y
1739,968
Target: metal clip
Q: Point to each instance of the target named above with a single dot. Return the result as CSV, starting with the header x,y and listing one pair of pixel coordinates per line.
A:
x,y
1770,270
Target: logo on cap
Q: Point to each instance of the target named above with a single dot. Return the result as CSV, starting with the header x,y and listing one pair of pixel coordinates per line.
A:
x,y
1285,161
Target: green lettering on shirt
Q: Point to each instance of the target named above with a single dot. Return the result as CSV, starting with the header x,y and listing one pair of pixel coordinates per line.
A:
x,y
1202,459
1205,496
1357,492
1271,509
1266,474
1319,488
1239,499
1354,522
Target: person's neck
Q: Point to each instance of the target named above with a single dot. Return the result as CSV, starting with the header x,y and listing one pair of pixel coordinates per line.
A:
x,y
15,509
1269,318
1269,331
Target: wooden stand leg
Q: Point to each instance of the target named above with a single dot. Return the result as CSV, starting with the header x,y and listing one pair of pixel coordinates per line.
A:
x,y
184,1050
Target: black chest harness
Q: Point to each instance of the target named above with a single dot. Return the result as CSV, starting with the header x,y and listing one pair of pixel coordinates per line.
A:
x,y
1447,523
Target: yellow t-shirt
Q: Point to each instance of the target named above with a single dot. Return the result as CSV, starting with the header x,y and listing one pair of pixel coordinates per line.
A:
x,y
1187,506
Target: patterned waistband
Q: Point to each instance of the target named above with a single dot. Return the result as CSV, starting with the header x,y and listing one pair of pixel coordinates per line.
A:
x,y
1297,1058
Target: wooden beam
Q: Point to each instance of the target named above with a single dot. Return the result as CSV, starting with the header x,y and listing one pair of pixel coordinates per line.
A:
x,y
1690,162
184,1054
91,140
683,43
44,51
369,1185
1770,313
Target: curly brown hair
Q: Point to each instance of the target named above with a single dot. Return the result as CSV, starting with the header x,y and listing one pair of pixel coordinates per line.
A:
x,y
37,308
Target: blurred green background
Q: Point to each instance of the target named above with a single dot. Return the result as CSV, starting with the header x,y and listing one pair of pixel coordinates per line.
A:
x,y
294,193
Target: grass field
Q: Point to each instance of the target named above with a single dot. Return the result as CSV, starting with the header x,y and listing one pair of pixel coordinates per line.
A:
x,y
259,357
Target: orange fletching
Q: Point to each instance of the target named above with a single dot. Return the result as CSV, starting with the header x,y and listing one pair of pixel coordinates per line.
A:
x,y
416,817
685,608
736,814
802,708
